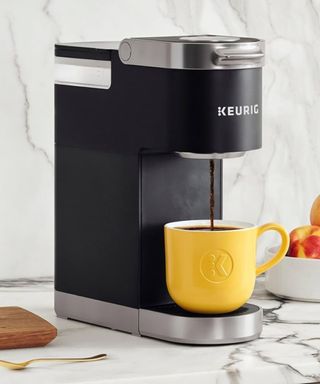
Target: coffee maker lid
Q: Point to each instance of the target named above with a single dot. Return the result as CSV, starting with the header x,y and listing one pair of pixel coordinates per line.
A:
x,y
201,52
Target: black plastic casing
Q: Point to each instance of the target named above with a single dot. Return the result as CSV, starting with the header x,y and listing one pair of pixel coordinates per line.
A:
x,y
162,110
118,180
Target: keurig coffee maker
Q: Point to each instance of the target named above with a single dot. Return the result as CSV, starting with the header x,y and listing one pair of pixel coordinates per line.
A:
x,y
135,125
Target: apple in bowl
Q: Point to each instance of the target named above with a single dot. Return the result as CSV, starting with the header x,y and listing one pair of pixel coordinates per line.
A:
x,y
305,242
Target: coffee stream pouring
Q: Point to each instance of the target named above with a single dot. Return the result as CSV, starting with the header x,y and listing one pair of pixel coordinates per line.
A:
x,y
129,159
211,199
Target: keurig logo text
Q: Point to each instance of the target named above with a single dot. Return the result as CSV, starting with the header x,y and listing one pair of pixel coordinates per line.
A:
x,y
238,110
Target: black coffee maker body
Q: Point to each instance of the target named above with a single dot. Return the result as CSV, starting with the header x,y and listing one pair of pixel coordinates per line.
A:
x,y
135,125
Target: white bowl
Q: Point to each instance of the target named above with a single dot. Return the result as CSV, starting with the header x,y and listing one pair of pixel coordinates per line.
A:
x,y
294,278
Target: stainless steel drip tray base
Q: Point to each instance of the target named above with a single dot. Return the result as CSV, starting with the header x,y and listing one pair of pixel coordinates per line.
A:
x,y
171,323
165,322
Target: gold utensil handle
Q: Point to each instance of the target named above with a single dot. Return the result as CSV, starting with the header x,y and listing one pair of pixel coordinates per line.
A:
x,y
72,359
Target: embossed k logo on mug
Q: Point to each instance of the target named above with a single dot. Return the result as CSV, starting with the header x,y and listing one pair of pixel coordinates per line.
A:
x,y
216,266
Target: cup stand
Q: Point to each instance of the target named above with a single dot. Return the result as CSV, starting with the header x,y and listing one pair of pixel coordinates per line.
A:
x,y
170,322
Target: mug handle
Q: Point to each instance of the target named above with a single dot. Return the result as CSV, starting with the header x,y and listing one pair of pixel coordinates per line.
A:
x,y
282,250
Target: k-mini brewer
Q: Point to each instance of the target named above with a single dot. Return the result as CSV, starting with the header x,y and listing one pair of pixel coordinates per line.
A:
x,y
135,125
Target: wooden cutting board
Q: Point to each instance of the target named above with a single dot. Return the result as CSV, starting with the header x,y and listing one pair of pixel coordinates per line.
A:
x,y
20,328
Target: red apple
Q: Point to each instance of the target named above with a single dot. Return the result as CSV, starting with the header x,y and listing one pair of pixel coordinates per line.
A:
x,y
315,212
305,242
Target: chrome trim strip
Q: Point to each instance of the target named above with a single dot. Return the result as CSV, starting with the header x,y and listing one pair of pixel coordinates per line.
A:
x,y
210,156
83,72
98,312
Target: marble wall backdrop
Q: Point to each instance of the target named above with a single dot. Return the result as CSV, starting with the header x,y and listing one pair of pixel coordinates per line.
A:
x,y
276,183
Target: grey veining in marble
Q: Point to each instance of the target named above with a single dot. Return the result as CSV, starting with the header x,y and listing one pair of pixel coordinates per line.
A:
x,y
288,350
277,183
23,282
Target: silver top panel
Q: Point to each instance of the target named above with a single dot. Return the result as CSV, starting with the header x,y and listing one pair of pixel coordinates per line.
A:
x,y
107,45
193,52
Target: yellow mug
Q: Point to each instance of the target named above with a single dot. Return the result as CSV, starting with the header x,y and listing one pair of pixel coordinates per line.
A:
x,y
215,271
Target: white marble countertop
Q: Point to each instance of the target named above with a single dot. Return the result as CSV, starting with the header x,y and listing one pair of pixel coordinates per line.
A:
x,y
287,352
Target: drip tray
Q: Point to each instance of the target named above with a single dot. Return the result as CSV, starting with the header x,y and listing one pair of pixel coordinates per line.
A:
x,y
170,322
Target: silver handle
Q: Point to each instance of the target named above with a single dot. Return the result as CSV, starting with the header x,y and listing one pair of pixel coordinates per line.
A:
x,y
222,58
